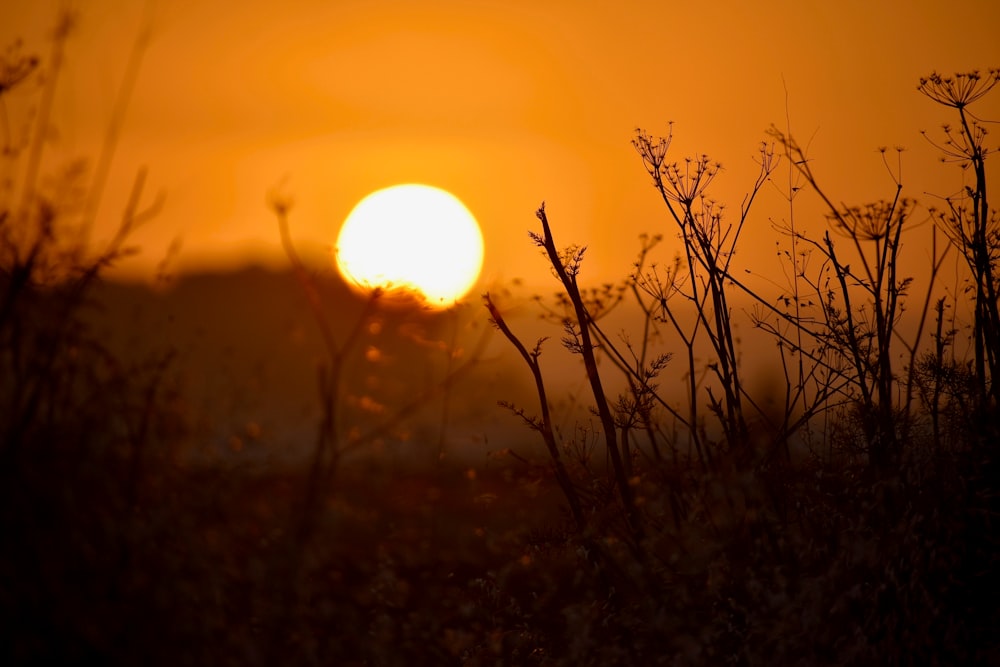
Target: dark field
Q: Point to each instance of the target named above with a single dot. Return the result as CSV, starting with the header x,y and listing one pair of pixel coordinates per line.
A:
x,y
454,566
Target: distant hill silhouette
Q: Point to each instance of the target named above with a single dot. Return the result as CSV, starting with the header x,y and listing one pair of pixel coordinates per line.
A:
x,y
247,347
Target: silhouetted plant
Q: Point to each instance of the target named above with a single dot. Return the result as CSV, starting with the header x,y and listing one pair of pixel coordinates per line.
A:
x,y
858,309
579,339
709,244
749,522
543,424
971,225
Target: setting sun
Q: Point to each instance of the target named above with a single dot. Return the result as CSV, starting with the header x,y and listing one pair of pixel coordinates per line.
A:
x,y
414,239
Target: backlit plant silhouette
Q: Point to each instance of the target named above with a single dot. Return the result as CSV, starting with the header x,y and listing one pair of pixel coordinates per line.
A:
x,y
865,373
971,225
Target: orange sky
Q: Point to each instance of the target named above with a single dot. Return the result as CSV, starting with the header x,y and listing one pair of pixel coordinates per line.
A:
x,y
505,104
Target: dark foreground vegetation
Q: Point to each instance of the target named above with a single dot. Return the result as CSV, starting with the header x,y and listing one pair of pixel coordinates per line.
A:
x,y
851,519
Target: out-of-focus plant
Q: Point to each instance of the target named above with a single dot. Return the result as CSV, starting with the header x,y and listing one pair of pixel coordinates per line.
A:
x,y
341,429
47,264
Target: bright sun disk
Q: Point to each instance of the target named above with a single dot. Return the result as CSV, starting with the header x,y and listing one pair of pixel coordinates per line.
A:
x,y
415,239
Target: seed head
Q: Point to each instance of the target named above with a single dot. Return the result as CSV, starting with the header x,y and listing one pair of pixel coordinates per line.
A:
x,y
960,90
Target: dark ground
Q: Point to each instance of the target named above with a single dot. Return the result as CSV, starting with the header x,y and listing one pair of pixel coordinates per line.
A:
x,y
161,520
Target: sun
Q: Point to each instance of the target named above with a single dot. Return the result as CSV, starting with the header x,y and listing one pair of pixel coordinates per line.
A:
x,y
412,240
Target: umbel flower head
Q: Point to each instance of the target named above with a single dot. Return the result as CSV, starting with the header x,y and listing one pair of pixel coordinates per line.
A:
x,y
871,222
960,90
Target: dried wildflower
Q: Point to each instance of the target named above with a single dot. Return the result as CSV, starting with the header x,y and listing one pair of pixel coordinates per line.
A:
x,y
960,90
652,151
872,222
690,180
964,145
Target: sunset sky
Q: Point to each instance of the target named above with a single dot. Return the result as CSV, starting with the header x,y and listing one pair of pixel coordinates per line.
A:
x,y
505,104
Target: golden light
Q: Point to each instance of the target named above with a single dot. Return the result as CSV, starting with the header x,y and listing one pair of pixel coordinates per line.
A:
x,y
414,240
